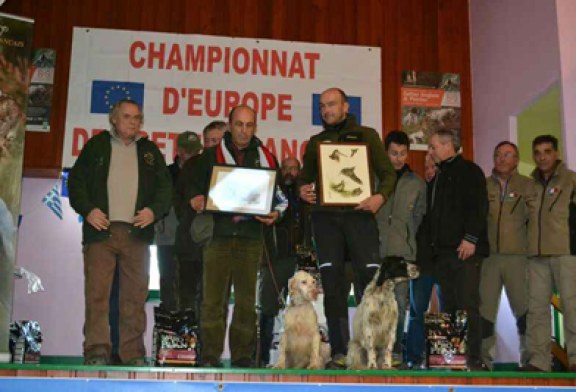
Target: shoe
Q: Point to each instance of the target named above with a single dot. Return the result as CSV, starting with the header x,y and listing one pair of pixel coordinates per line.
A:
x,y
397,362
338,362
243,363
572,369
403,366
530,368
138,362
97,360
211,363
477,367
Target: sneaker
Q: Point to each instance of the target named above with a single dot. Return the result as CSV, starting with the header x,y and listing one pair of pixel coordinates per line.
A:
x,y
338,362
396,360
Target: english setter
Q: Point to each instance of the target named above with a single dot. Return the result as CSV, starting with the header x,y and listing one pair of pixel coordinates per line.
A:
x,y
376,318
301,346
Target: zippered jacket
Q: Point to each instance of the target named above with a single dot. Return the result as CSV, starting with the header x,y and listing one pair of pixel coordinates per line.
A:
x,y
88,184
549,205
225,225
400,216
350,131
457,207
508,214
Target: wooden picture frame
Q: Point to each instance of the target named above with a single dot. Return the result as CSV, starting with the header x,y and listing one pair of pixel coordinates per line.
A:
x,y
344,173
241,190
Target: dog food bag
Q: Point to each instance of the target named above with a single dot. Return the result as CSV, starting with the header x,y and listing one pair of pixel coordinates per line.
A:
x,y
446,340
25,341
175,338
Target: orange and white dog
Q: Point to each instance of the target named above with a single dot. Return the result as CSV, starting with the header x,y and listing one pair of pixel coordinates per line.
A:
x,y
301,346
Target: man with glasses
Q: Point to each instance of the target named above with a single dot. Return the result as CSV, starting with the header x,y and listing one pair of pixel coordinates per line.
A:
x,y
506,267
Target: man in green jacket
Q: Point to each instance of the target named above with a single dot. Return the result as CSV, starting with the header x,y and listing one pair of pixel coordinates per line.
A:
x,y
120,185
234,252
398,220
552,264
507,265
344,232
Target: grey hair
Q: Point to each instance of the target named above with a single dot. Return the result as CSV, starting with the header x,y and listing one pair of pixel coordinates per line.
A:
x,y
450,135
116,107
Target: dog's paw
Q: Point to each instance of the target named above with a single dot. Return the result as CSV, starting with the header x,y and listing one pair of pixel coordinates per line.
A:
x,y
315,366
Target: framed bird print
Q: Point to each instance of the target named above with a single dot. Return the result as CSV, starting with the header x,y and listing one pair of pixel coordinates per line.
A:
x,y
345,176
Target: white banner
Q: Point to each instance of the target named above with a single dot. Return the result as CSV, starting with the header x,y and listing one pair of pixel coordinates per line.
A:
x,y
187,81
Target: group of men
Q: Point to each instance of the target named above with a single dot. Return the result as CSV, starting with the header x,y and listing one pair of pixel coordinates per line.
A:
x,y
469,234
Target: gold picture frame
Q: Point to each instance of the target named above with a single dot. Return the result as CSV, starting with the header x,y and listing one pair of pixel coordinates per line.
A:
x,y
241,190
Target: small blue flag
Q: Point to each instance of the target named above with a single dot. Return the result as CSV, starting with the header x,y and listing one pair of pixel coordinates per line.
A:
x,y
53,201
355,104
64,186
106,93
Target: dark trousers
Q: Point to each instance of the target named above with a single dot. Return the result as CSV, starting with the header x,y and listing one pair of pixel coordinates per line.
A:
x,y
420,294
274,276
190,284
460,284
229,260
341,235
168,269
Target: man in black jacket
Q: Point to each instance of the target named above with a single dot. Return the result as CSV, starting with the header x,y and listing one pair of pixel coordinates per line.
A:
x,y
457,239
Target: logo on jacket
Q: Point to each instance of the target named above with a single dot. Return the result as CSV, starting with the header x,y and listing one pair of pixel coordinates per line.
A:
x,y
149,158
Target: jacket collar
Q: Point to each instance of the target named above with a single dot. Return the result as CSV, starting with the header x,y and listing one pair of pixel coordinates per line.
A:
x,y
347,123
447,163
559,169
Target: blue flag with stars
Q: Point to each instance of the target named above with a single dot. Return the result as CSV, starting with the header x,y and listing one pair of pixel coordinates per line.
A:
x,y
105,93
53,201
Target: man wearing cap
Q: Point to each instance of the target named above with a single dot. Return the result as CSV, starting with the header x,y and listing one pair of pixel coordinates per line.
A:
x,y
187,145
188,248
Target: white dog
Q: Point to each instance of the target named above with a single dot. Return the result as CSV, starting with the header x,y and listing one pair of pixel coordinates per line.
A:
x,y
376,318
301,346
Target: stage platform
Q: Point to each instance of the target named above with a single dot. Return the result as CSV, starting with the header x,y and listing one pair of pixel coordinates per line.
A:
x,y
67,377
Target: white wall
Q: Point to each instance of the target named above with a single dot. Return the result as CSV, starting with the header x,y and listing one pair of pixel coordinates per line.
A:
x,y
566,11
514,57
52,249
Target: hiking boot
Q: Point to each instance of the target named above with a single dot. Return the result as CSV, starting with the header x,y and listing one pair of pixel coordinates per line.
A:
x,y
338,362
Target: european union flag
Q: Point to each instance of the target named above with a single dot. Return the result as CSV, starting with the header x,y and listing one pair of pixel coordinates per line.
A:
x,y
355,108
106,93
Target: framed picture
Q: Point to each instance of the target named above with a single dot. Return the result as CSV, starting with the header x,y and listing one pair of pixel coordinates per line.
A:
x,y
345,176
241,190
